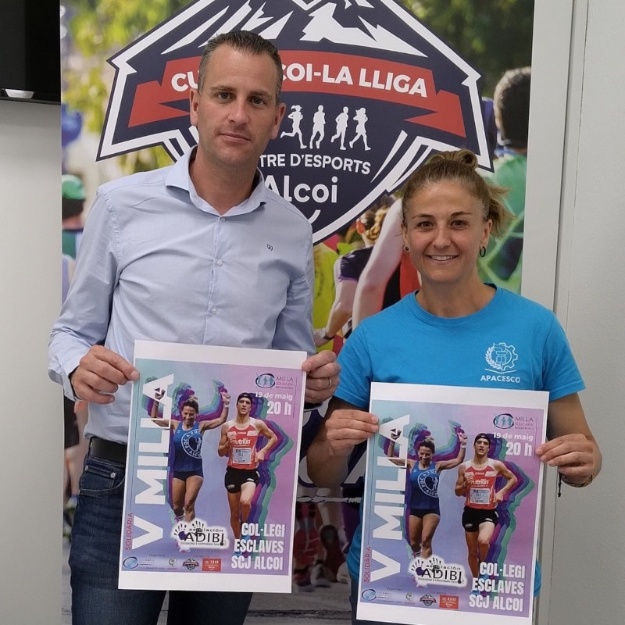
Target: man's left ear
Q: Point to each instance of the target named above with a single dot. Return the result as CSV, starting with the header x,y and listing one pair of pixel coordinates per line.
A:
x,y
279,115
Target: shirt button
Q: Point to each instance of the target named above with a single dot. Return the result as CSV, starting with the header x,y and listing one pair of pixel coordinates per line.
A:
x,y
220,262
214,310
222,219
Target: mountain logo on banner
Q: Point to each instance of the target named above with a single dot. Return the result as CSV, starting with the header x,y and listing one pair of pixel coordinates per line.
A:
x,y
370,92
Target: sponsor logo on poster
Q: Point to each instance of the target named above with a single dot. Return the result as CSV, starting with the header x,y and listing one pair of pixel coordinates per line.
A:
x,y
199,534
212,565
428,600
265,380
449,602
131,563
434,570
190,564
503,421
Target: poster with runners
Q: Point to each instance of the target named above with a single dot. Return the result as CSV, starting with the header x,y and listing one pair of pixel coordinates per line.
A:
x,y
213,455
452,505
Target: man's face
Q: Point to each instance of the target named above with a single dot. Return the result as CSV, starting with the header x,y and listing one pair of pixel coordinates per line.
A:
x,y
237,112
481,447
244,406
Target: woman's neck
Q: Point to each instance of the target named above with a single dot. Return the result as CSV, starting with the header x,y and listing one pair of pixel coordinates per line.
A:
x,y
450,301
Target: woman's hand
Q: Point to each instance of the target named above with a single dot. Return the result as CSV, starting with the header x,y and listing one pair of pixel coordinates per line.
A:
x,y
347,427
574,455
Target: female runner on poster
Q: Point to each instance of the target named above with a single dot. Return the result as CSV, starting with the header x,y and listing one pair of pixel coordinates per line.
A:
x,y
186,463
423,505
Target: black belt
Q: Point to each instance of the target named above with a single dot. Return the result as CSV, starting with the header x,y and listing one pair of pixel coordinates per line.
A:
x,y
108,450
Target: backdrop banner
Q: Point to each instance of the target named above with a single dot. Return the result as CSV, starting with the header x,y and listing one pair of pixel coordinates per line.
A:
x,y
372,88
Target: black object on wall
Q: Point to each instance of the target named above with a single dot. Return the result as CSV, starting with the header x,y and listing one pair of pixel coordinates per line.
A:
x,y
30,50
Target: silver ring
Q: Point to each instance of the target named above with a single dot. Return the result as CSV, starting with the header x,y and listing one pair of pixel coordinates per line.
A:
x,y
329,382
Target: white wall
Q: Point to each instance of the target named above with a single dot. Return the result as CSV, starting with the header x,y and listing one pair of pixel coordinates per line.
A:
x,y
589,550
31,442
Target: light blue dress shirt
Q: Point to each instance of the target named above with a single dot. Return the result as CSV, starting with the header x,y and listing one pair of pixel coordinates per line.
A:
x,y
159,263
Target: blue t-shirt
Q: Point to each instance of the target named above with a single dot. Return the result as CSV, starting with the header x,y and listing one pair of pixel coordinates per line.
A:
x,y
511,343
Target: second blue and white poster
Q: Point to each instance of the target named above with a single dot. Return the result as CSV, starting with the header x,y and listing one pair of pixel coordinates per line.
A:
x,y
452,505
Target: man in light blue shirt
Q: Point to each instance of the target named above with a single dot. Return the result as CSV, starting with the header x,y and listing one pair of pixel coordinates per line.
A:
x,y
200,252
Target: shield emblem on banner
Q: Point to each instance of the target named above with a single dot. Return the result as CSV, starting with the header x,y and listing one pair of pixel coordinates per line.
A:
x,y
370,92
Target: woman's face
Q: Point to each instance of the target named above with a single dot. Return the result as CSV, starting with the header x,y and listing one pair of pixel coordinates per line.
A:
x,y
425,456
188,415
444,231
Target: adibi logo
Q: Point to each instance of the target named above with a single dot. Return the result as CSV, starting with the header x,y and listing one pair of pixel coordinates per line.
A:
x,y
369,91
435,570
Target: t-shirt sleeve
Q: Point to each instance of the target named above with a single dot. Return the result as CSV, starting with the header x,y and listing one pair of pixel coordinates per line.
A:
x,y
356,371
561,376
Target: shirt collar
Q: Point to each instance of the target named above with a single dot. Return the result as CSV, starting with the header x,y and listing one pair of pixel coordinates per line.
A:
x,y
179,177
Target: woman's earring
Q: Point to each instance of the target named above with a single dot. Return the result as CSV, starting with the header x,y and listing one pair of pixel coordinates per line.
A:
x,y
406,248
482,252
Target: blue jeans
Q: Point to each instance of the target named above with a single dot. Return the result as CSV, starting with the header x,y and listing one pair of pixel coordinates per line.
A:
x,y
94,565
353,600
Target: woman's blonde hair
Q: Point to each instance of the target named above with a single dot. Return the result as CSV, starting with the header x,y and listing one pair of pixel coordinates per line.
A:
x,y
459,166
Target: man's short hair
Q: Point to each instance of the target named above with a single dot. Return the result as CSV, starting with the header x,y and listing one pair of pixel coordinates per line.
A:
x,y
244,41
482,435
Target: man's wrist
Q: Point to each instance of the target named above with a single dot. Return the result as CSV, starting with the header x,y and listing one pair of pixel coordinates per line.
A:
x,y
71,383
326,337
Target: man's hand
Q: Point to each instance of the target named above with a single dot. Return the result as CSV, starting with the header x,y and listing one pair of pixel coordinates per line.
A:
x,y
99,374
323,376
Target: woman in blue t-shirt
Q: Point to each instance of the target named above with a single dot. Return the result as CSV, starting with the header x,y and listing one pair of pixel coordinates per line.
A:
x,y
455,330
